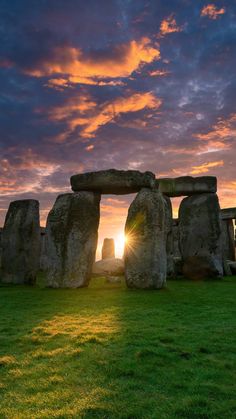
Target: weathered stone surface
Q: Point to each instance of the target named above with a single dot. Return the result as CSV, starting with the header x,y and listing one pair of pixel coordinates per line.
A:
x,y
145,249
43,256
187,185
178,261
228,239
0,247
71,239
200,237
21,243
108,249
232,266
109,267
169,238
175,230
112,181
228,214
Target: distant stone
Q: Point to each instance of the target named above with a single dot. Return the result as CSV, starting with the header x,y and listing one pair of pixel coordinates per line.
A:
x,y
145,250
109,267
228,213
200,237
228,239
108,249
113,181
114,279
187,185
71,239
21,243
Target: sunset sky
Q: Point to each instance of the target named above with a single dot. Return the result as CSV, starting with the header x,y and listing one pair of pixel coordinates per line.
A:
x,y
99,84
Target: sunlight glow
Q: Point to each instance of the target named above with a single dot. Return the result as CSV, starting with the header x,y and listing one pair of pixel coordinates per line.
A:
x,y
120,241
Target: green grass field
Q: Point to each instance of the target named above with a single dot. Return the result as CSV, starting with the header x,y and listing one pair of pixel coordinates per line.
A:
x,y
110,352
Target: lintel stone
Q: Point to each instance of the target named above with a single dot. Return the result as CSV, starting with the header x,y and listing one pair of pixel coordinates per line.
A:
x,y
112,181
228,213
187,185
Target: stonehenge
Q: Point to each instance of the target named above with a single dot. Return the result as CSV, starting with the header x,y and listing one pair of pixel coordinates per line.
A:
x,y
21,243
71,239
145,250
187,185
200,244
200,236
117,182
108,249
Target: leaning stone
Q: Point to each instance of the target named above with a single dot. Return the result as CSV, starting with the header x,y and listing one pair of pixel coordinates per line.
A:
x,y
112,181
21,243
109,267
228,239
228,213
200,237
145,249
71,239
108,249
187,185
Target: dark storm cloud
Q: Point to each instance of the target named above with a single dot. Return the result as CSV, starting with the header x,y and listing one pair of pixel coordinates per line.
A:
x,y
148,85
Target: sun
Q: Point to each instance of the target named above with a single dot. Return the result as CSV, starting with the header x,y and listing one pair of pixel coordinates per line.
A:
x,y
120,241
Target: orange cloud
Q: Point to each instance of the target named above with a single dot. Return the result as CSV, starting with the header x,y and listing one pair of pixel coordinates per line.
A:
x,y
81,68
205,167
158,73
73,106
218,138
169,25
84,112
211,11
222,130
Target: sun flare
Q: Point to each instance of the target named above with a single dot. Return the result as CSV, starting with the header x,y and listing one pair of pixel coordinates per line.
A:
x,y
120,241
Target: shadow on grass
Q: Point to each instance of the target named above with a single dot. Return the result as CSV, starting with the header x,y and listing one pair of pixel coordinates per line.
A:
x,y
108,352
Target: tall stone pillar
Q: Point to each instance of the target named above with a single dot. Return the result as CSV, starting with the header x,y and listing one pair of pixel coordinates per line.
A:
x,y
71,239
21,242
200,236
169,238
228,239
108,249
145,249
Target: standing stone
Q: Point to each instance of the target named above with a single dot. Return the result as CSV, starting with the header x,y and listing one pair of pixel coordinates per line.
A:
x,y
200,237
145,249
175,229
21,243
71,239
169,238
43,257
108,249
0,247
228,239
